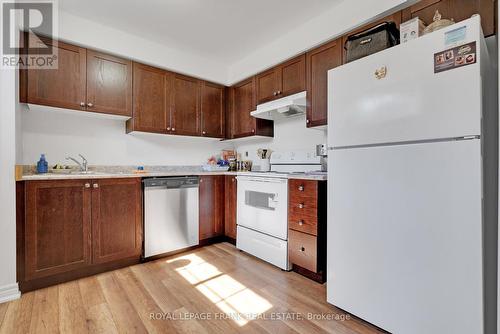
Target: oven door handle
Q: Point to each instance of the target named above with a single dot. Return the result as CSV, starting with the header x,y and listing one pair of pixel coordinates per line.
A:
x,y
261,179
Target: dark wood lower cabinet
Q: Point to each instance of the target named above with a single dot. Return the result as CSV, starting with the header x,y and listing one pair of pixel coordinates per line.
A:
x,y
116,219
58,227
72,228
211,206
307,228
230,194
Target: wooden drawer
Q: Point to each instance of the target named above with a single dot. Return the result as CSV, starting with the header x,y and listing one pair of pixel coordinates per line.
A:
x,y
303,191
302,250
302,207
303,223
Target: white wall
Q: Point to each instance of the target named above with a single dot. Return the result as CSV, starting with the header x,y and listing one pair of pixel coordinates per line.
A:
x,y
8,285
104,142
97,36
332,23
289,134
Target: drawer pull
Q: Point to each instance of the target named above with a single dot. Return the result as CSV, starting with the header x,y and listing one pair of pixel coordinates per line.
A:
x,y
301,188
87,185
302,249
301,205
301,222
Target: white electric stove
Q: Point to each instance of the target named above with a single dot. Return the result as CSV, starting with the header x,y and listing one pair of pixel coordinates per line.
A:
x,y
262,208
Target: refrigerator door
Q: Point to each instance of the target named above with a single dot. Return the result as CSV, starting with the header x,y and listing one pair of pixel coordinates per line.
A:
x,y
411,103
404,236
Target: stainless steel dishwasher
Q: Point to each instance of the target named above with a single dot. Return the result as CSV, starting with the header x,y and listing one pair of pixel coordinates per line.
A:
x,y
170,214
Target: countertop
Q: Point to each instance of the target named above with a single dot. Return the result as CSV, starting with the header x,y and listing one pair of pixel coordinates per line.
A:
x,y
102,174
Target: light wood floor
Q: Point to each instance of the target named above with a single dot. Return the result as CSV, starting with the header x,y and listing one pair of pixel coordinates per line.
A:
x,y
218,288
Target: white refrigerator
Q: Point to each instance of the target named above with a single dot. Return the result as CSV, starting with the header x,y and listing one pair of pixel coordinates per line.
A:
x,y
412,212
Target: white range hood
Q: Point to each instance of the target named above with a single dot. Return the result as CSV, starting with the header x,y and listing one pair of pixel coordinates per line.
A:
x,y
292,105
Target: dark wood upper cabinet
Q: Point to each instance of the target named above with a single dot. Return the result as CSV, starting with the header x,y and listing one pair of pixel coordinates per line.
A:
x,y
185,110
211,209
268,85
285,79
212,110
116,219
64,87
109,84
456,9
151,103
230,194
242,103
58,227
318,62
293,76
83,80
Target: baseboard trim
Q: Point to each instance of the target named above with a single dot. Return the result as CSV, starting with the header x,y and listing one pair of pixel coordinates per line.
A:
x,y
9,292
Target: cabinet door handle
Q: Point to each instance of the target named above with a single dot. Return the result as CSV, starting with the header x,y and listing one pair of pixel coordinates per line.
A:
x,y
90,104
279,92
301,222
87,185
302,249
301,188
168,128
232,179
301,205
82,104
173,129
274,93
308,121
253,130
203,132
96,185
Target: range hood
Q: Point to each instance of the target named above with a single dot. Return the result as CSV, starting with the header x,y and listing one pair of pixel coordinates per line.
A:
x,y
292,105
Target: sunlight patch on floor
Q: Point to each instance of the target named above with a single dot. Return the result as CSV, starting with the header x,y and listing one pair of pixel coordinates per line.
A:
x,y
237,301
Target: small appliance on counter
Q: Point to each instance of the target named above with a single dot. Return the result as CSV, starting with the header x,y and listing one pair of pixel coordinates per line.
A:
x,y
263,162
322,152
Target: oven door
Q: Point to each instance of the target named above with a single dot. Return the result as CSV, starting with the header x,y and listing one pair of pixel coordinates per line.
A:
x,y
263,204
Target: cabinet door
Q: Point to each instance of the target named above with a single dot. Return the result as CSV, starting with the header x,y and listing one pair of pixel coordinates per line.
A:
x,y
58,224
243,102
212,110
185,111
230,206
151,99
456,9
64,87
268,85
109,84
211,206
293,76
319,61
116,219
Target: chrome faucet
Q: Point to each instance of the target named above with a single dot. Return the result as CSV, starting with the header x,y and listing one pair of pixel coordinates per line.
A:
x,y
83,165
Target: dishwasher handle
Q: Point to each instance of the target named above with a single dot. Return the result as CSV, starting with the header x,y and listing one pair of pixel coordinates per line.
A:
x,y
172,182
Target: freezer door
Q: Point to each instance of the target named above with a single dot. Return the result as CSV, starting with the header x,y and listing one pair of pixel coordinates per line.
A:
x,y
404,236
411,103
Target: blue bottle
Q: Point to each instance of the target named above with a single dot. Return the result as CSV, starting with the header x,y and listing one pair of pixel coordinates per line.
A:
x,y
42,166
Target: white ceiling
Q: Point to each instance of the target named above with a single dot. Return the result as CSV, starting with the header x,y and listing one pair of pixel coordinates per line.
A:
x,y
225,30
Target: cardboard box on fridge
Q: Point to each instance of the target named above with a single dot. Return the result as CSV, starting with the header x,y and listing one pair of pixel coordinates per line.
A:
x,y
411,29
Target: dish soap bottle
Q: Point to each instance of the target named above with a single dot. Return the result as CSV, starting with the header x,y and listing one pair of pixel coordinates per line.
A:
x,y
42,166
